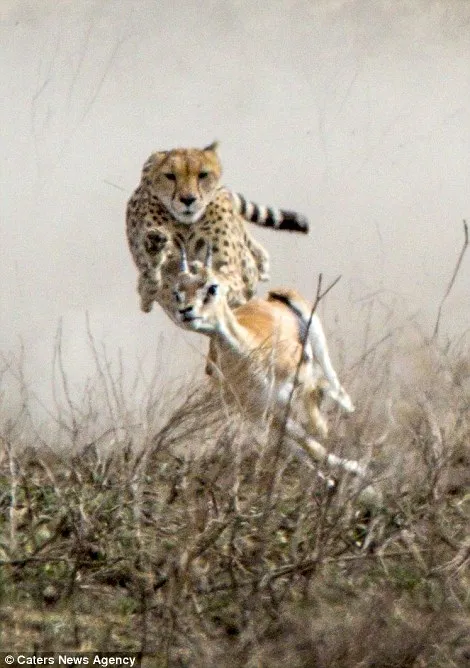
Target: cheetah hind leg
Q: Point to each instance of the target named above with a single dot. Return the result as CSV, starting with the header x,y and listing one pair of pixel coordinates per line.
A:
x,y
239,291
260,256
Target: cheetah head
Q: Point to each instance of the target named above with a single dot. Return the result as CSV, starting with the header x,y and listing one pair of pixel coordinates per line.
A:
x,y
184,180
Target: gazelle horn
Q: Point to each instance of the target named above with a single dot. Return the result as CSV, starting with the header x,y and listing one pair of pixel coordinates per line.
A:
x,y
183,258
208,260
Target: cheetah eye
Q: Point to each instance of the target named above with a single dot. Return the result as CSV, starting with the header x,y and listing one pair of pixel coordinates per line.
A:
x,y
170,176
203,175
177,297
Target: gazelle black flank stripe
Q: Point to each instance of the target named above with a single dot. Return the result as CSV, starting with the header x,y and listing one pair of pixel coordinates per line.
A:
x,y
279,219
302,322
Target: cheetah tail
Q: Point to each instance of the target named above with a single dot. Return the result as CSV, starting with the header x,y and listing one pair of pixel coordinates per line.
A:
x,y
280,219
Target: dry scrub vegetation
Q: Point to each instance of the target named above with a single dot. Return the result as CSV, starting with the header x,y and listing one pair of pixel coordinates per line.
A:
x,y
173,531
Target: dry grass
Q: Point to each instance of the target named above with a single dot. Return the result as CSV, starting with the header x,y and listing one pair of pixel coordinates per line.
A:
x,y
185,537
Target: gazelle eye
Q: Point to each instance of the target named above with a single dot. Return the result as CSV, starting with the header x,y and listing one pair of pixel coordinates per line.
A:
x,y
210,292
170,176
203,175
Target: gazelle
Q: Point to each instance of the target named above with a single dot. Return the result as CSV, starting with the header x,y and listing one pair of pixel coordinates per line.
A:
x,y
257,356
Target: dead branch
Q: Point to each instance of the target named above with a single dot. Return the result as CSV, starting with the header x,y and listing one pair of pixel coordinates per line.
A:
x,y
452,280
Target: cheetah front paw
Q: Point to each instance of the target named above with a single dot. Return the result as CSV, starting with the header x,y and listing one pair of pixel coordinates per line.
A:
x,y
155,242
146,306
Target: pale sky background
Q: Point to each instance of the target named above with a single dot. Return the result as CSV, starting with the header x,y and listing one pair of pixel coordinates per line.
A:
x,y
356,113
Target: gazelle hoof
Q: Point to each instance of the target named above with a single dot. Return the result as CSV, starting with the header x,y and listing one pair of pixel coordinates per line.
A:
x,y
342,398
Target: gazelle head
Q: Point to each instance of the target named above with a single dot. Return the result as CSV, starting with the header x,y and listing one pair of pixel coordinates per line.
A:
x,y
198,294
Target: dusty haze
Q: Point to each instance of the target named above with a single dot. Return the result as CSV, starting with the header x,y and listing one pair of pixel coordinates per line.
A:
x,y
355,113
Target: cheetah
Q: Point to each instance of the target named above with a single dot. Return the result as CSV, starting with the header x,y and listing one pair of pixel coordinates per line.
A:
x,y
180,203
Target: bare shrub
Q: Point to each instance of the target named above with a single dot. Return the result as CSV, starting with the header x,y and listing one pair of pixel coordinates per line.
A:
x,y
169,527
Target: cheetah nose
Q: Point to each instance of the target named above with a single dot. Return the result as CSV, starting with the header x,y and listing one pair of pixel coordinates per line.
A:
x,y
188,200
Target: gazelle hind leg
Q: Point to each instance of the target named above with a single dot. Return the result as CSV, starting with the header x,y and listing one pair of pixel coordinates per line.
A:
x,y
301,455
317,424
368,495
320,350
319,453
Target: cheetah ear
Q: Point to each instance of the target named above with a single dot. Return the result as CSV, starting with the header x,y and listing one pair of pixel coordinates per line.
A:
x,y
212,147
155,159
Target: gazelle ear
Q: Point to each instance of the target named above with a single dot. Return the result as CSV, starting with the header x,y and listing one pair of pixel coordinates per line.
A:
x,y
212,147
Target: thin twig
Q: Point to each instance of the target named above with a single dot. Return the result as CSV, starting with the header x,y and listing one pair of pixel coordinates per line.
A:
x,y
114,185
452,280
304,567
374,346
51,560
